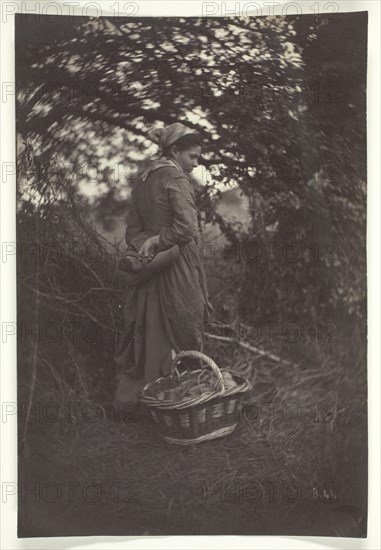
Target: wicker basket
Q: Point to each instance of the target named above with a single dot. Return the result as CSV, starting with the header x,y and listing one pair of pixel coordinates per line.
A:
x,y
208,416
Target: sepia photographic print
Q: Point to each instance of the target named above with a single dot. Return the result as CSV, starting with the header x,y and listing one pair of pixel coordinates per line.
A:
x,y
191,272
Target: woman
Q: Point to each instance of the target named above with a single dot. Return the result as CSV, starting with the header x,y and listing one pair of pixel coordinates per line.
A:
x,y
164,314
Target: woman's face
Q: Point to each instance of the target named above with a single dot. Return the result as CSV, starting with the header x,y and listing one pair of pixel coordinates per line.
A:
x,y
187,159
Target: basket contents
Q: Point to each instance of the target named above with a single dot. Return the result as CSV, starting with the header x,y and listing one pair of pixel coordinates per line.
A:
x,y
192,384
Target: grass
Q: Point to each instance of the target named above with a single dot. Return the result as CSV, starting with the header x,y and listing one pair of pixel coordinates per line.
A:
x,y
295,465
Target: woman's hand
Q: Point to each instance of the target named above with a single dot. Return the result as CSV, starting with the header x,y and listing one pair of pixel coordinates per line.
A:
x,y
148,248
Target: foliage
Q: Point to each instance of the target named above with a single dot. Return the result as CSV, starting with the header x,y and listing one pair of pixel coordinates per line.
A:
x,y
282,115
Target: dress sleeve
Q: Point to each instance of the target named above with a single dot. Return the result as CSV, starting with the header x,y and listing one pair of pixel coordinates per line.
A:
x,y
182,205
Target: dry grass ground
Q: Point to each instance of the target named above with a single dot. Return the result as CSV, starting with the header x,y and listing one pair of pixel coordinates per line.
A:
x,y
296,464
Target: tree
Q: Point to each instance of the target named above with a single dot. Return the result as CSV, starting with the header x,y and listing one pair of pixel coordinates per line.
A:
x,y
283,117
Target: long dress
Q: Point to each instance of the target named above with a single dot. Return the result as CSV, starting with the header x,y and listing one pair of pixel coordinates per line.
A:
x,y
165,314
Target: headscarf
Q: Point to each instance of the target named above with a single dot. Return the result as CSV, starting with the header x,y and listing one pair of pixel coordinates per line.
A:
x,y
164,137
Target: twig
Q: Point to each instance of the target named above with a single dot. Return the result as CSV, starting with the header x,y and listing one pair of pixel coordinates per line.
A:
x,y
33,361
65,301
250,348
77,367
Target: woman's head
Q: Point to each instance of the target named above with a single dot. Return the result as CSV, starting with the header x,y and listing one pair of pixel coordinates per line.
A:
x,y
185,151
178,142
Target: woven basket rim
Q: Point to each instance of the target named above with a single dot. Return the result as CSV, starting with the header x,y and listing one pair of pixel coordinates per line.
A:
x,y
203,398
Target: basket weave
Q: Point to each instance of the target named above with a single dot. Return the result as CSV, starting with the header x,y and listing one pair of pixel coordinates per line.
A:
x,y
208,416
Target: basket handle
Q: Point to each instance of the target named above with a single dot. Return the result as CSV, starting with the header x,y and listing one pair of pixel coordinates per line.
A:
x,y
220,387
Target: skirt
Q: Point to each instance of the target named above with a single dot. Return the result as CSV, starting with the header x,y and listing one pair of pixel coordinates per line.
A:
x,y
163,316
